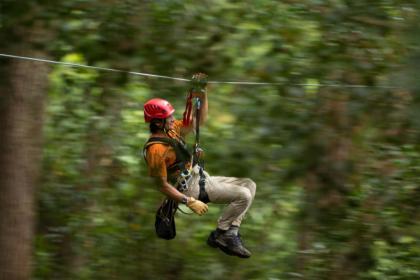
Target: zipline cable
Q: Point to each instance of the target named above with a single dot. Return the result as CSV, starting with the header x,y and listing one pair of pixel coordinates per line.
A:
x,y
91,67
70,64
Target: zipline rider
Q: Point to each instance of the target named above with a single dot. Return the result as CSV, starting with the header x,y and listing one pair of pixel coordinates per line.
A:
x,y
169,162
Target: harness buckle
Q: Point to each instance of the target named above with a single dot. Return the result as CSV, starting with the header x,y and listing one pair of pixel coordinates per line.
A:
x,y
182,181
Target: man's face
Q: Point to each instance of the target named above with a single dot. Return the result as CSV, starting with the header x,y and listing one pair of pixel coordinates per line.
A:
x,y
170,122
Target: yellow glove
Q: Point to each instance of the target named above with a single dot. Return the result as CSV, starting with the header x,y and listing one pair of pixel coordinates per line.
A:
x,y
199,207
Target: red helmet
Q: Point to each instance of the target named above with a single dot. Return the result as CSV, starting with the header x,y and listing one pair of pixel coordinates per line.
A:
x,y
157,108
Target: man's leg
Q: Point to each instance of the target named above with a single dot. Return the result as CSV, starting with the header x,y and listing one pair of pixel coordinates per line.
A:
x,y
238,193
251,186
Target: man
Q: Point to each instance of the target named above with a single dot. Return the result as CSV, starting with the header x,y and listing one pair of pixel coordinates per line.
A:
x,y
170,164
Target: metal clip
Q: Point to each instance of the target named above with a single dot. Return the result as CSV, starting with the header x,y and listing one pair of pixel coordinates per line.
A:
x,y
182,181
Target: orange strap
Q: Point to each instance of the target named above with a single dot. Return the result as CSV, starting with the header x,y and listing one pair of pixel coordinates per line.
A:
x,y
187,117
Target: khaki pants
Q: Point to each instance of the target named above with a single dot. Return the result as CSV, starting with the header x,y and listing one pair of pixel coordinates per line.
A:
x,y
237,193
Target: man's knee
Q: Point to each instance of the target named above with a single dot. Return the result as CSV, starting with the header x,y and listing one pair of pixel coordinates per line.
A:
x,y
250,184
245,195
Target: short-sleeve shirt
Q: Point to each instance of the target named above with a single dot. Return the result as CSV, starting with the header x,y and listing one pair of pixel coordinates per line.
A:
x,y
160,156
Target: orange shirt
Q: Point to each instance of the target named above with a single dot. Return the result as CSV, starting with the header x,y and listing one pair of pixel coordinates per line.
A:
x,y
160,156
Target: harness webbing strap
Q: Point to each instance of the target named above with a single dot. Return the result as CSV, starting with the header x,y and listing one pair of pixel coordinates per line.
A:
x,y
203,195
181,152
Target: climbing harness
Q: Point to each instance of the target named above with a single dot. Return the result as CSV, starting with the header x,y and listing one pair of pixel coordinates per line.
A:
x,y
183,156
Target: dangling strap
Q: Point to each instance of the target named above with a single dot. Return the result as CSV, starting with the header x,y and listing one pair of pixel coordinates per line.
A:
x,y
187,117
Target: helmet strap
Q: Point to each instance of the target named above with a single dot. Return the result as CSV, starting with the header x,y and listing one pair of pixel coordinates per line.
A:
x,y
164,126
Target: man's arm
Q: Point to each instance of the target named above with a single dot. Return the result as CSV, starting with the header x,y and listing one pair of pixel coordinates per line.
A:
x,y
170,191
204,106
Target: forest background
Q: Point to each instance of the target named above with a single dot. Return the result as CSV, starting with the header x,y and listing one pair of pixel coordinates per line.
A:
x,y
333,145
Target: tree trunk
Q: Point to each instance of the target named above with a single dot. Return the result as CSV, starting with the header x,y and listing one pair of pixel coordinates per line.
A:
x,y
22,89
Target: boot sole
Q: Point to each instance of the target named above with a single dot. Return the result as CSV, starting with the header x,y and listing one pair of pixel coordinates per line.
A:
x,y
224,249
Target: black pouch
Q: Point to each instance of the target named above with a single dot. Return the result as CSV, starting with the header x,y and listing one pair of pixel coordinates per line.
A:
x,y
165,219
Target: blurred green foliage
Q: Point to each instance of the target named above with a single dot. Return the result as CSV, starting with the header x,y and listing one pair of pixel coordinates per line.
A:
x,y
336,167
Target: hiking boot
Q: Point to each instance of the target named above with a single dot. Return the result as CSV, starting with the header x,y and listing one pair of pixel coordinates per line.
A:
x,y
230,244
211,241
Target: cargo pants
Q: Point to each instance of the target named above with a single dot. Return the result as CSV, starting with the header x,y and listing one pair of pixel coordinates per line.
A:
x,y
237,193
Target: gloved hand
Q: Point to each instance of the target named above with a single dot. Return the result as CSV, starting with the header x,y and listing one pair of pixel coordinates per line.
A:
x,y
199,207
199,83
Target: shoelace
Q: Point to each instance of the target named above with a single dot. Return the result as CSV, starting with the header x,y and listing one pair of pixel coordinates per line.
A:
x,y
236,240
